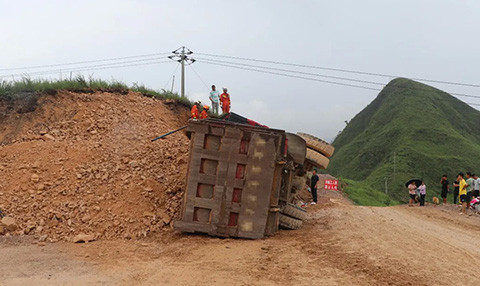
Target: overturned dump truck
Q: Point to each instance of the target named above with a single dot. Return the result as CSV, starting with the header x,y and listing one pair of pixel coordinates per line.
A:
x,y
242,177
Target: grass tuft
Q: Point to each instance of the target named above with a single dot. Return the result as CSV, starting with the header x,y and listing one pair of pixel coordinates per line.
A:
x,y
16,89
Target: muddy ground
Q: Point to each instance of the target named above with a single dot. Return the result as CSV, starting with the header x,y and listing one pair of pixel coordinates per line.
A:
x,y
340,244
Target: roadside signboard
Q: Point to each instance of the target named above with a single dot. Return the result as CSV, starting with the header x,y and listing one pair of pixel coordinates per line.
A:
x,y
331,185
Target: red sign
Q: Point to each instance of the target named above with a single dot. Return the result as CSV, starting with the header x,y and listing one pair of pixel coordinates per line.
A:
x,y
331,185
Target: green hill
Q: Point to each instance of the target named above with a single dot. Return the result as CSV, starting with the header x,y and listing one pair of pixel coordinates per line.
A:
x,y
430,132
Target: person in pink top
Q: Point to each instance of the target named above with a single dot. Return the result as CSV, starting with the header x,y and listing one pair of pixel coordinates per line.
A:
x,y
411,192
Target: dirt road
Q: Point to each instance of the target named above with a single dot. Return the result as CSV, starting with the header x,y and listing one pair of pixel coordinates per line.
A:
x,y
341,244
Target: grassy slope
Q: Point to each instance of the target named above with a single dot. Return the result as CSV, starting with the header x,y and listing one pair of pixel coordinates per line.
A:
x,y
18,88
363,194
431,132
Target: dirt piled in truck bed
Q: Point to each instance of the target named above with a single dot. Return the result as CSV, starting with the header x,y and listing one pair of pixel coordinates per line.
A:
x,y
74,163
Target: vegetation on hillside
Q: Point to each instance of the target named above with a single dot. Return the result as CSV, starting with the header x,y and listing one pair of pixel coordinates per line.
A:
x,y
363,194
80,84
429,131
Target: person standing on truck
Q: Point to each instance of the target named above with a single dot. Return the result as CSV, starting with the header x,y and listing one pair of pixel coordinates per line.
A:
x,y
225,101
195,114
445,188
214,98
313,186
204,114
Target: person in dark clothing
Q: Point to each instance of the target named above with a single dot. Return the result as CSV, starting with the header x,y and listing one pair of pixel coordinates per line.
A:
x,y
456,190
445,188
313,186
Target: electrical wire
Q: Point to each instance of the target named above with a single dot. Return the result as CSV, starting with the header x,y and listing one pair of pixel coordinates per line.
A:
x,y
83,62
311,79
292,76
340,70
292,71
199,77
319,75
92,67
100,68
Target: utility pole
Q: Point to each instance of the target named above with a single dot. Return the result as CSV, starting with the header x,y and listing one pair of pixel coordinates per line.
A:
x,y
173,82
181,55
182,84
386,186
394,168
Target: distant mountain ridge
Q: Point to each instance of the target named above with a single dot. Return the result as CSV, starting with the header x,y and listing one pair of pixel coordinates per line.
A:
x,y
429,131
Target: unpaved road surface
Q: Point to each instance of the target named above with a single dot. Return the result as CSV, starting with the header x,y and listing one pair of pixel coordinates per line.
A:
x,y
340,244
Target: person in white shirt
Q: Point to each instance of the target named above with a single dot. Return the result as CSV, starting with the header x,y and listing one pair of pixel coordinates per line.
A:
x,y
214,98
476,186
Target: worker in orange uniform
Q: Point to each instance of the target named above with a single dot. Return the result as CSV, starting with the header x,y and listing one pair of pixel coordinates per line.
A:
x,y
204,114
195,113
225,101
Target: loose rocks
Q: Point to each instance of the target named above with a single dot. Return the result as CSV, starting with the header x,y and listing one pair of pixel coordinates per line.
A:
x,y
73,167
83,238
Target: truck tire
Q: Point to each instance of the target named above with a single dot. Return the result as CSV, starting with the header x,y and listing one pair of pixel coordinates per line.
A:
x,y
293,211
317,159
296,146
317,144
287,222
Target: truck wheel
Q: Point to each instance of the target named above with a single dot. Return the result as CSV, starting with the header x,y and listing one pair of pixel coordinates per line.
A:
x,y
317,144
317,159
287,222
293,211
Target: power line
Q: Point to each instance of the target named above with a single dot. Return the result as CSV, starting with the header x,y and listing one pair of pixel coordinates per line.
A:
x,y
340,70
319,75
123,66
292,71
97,68
92,67
83,62
199,77
308,78
292,76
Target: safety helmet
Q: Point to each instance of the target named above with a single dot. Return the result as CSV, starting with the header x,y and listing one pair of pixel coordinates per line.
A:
x,y
205,107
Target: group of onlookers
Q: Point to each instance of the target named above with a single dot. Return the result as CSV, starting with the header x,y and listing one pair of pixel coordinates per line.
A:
x,y
466,188
412,192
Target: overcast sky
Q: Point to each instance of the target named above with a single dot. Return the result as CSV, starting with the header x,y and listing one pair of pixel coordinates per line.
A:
x,y
435,39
